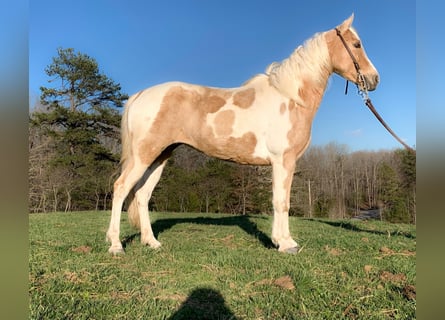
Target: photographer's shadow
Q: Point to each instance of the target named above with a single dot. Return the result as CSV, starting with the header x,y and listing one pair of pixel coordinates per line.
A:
x,y
204,304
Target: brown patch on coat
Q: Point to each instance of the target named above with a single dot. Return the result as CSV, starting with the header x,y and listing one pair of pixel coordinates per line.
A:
x,y
224,122
177,107
291,105
301,117
282,108
182,118
240,149
298,138
245,98
310,94
212,103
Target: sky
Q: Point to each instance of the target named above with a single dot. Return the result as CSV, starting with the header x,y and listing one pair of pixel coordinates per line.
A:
x,y
223,43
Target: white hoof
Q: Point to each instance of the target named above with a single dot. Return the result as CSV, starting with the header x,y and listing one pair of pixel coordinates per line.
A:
x,y
288,246
116,250
152,243
293,250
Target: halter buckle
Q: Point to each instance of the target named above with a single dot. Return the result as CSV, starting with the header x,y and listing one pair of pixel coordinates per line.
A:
x,y
362,92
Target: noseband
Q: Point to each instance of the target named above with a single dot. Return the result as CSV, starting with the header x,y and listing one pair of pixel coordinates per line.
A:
x,y
364,92
360,77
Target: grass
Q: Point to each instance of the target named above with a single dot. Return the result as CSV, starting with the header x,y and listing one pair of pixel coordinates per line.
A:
x,y
220,267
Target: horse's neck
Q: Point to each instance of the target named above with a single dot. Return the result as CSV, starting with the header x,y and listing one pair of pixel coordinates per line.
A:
x,y
303,77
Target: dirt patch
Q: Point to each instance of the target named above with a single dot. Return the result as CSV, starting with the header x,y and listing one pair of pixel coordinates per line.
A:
x,y
228,241
121,295
333,251
74,277
175,297
285,283
387,276
385,251
367,268
82,249
409,292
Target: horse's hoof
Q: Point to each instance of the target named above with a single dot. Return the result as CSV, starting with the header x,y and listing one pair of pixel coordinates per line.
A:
x,y
293,250
155,245
116,251
152,243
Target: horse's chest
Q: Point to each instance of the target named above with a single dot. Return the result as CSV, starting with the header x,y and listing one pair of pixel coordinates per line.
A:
x,y
291,129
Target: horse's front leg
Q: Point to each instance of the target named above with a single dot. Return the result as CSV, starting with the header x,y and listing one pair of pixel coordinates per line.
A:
x,y
281,183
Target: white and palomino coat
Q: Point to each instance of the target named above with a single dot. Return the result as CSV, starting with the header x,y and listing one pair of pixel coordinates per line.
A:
x,y
266,121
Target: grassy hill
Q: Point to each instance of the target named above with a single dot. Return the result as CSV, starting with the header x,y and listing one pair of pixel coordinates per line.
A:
x,y
220,267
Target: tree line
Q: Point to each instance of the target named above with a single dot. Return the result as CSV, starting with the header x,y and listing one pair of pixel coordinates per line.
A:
x,y
74,152
329,182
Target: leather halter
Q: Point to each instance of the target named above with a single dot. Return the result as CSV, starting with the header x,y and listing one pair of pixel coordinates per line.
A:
x,y
354,60
360,77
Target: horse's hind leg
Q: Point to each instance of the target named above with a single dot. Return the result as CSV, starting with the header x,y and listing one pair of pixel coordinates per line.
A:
x,y
128,178
143,195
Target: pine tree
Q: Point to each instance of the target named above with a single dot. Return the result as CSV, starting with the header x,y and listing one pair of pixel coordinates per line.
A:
x,y
81,116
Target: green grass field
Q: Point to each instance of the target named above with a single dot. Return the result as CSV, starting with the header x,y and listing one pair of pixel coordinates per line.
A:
x,y
220,267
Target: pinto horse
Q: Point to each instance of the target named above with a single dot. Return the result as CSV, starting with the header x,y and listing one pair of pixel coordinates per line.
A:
x,y
266,121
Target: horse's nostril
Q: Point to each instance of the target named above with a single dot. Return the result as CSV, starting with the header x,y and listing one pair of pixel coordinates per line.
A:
x,y
377,79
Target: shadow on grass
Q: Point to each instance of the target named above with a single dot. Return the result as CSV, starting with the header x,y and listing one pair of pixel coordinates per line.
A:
x,y
352,227
243,222
204,304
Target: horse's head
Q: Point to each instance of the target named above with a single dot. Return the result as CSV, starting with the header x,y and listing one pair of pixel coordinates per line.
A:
x,y
348,56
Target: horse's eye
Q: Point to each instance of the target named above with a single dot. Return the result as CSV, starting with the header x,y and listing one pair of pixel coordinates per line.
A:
x,y
357,45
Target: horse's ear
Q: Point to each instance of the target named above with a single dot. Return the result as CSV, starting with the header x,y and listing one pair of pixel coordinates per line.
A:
x,y
346,24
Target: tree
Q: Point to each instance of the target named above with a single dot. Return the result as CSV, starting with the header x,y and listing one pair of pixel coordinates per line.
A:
x,y
406,164
80,84
80,116
391,195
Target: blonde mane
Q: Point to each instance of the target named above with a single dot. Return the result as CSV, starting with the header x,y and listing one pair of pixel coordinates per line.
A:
x,y
310,61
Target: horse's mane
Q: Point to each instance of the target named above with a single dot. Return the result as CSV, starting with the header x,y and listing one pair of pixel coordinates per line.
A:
x,y
310,61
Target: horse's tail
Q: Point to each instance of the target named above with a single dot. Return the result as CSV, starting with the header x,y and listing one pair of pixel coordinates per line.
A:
x,y
132,208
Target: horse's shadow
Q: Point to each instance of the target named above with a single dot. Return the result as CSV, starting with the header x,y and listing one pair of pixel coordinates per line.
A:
x,y
353,227
243,222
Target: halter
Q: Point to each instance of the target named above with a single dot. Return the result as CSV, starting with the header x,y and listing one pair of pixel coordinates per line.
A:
x,y
360,77
364,92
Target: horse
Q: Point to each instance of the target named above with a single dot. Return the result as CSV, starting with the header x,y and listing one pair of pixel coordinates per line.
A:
x,y
265,121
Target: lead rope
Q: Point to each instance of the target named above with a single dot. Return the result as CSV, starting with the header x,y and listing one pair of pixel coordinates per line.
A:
x,y
371,107
364,93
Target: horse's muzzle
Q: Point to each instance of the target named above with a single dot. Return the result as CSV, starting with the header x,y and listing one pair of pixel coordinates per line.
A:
x,y
371,82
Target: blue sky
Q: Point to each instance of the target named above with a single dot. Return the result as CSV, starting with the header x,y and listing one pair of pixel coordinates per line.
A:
x,y
223,43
